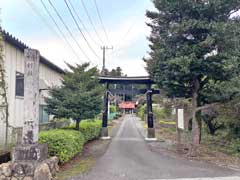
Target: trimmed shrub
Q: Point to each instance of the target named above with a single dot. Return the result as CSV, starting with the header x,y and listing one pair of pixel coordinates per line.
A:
x,y
64,144
90,129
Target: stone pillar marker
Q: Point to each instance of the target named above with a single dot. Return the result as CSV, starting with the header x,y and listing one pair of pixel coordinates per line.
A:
x,y
29,159
29,149
31,98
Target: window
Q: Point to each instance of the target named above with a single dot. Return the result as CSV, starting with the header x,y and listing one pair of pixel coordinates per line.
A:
x,y
43,115
19,84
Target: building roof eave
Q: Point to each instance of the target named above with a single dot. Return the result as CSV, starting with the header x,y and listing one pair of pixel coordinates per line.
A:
x,y
21,46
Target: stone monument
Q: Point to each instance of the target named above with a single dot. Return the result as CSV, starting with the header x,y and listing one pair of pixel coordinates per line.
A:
x,y
29,159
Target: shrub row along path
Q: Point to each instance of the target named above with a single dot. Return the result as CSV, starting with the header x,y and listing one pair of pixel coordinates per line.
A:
x,y
129,158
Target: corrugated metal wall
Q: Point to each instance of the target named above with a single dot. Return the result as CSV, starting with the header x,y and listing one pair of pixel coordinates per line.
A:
x,y
14,62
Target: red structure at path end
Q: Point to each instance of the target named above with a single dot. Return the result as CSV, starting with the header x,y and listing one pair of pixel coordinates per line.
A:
x,y
127,105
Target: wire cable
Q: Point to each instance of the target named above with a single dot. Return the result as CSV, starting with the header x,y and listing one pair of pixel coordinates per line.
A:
x,y
122,39
67,28
101,21
90,47
59,29
36,11
91,22
83,25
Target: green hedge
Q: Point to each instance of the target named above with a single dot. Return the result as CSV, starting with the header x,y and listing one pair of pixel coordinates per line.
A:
x,y
64,144
90,129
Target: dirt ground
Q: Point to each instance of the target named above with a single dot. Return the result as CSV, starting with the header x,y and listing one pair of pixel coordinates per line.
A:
x,y
167,144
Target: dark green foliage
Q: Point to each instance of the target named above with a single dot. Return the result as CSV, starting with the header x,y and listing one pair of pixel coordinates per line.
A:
x,y
89,128
64,144
222,142
116,72
193,40
229,116
79,97
194,51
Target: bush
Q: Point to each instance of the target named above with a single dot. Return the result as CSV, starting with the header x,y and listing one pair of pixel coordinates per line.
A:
x,y
160,113
90,129
113,109
141,112
64,144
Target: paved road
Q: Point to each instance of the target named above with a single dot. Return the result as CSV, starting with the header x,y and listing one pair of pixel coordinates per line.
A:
x,y
129,158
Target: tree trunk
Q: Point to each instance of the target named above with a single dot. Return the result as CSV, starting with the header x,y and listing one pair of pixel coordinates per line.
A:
x,y
195,123
77,124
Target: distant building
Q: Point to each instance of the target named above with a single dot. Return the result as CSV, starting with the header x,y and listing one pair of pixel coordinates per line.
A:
x,y
50,75
127,106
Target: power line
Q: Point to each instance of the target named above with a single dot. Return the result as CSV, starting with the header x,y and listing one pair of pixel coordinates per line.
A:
x,y
91,22
67,28
83,25
90,47
59,29
122,39
36,11
101,21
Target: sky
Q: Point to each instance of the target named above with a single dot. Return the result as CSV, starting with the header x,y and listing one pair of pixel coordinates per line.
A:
x,y
124,22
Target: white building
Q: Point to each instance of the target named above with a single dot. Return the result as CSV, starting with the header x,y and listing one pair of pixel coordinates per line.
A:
x,y
50,75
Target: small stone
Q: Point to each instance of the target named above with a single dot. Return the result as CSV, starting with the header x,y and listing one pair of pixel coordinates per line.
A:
x,y
5,178
53,165
18,170
42,172
28,169
5,169
14,178
28,178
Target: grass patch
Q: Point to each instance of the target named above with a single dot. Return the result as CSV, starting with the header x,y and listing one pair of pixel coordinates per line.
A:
x,y
167,122
166,133
220,142
80,167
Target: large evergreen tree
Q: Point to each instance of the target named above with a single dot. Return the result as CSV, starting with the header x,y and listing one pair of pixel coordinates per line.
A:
x,y
194,48
80,97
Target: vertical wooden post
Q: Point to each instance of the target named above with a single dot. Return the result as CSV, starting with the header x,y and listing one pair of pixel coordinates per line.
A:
x,y
151,129
104,133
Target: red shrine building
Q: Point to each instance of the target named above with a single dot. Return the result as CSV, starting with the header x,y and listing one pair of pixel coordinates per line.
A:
x,y
127,106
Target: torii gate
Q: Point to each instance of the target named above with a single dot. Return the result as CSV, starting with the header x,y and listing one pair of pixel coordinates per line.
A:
x,y
129,80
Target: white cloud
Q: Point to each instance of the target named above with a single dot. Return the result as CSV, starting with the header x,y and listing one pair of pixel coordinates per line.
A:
x,y
56,50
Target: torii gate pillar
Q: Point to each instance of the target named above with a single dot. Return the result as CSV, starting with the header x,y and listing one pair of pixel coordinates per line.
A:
x,y
104,132
150,120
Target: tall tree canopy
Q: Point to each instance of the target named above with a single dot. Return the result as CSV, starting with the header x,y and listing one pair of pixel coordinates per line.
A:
x,y
194,48
80,97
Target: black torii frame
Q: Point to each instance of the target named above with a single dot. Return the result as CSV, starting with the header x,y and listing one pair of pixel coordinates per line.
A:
x,y
129,80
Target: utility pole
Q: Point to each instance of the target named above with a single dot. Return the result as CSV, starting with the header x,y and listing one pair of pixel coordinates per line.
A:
x,y
104,48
